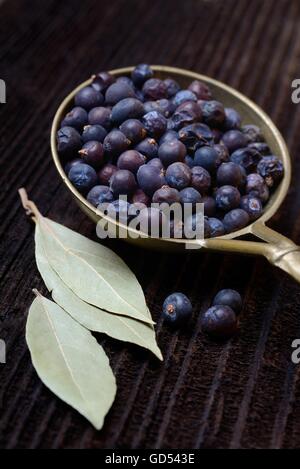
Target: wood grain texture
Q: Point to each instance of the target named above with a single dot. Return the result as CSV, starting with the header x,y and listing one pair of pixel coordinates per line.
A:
x,y
245,394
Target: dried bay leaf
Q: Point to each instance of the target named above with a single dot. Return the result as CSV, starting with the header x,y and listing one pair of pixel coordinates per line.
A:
x,y
97,320
93,272
69,360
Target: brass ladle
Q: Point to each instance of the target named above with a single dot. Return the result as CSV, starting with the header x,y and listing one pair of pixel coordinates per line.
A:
x,y
278,249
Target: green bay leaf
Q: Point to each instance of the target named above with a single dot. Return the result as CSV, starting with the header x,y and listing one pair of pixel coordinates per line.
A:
x,y
69,360
93,272
97,320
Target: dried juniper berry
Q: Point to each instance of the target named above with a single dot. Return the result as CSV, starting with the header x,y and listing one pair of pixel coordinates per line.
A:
x,y
257,187
246,157
102,81
72,163
181,119
171,152
209,206
189,195
155,124
106,173
231,174
233,119
223,154
178,175
168,136
134,130
253,133
68,141
252,205
83,177
156,162
140,74
164,106
219,322
93,132
191,107
150,179
201,179
229,297
189,160
201,90
100,195
128,108
213,113
118,91
172,87
216,227
227,198
235,220
167,195
234,140
261,147
217,135
154,89
183,96
139,197
148,147
177,309
123,182
131,160
195,136
115,143
76,118
207,157
100,116
92,153
271,169
88,98
197,226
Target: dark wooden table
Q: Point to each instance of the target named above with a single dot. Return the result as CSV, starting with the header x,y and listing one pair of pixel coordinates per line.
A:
x,y
241,395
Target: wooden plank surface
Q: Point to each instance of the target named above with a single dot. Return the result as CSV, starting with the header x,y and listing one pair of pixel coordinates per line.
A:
x,y
241,395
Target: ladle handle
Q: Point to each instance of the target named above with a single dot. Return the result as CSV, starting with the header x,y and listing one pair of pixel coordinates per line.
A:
x,y
281,251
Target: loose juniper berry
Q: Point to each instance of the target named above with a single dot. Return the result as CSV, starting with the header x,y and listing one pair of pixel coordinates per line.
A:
x,y
189,195
213,113
231,174
207,157
172,87
246,157
182,96
164,106
197,226
177,309
156,162
139,197
219,322
195,136
229,297
252,133
168,136
115,143
233,119
72,163
209,206
257,187
102,81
